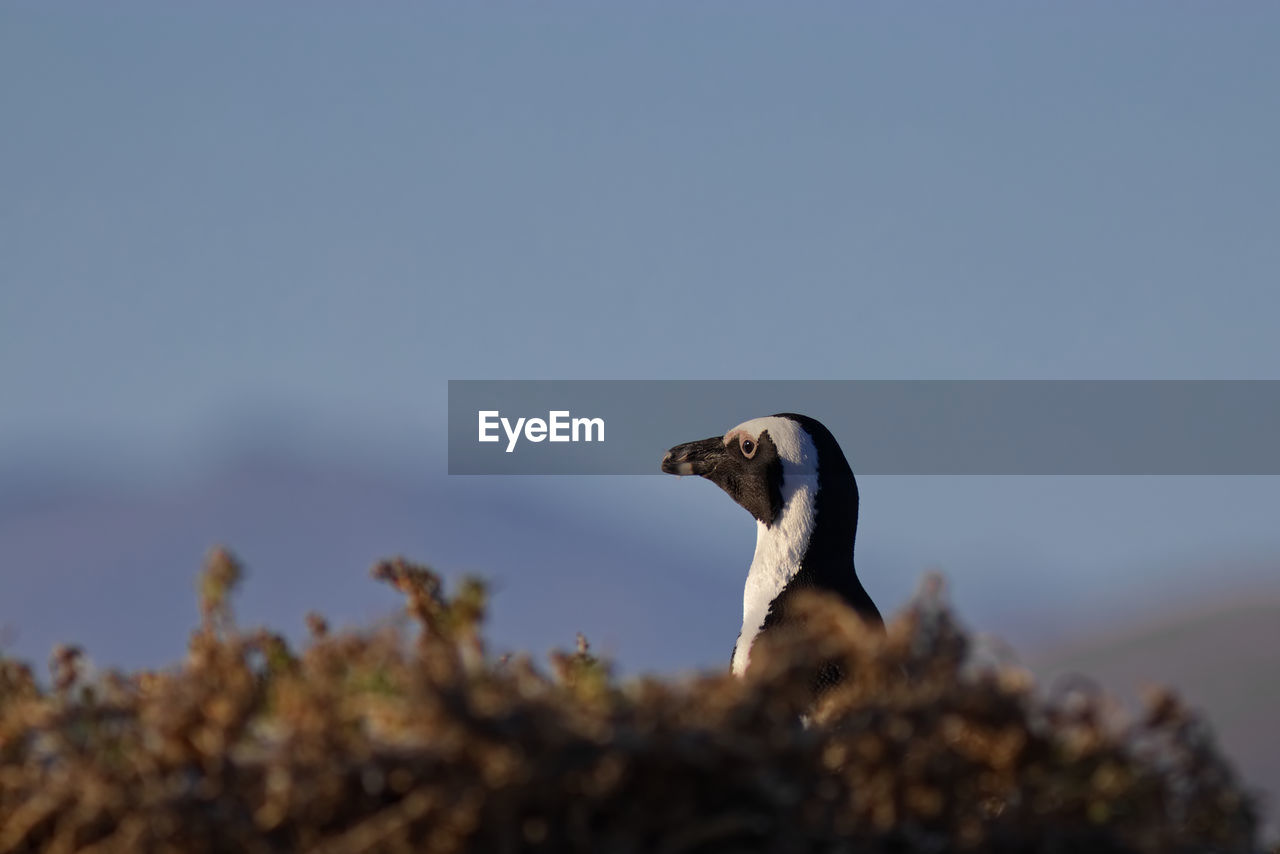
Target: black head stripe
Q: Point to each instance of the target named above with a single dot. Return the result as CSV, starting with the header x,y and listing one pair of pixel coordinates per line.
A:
x,y
755,482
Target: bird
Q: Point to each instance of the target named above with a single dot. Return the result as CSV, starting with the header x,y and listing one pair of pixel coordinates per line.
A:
x,y
789,473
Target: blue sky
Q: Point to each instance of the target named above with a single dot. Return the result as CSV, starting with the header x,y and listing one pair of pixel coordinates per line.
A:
x,y
227,222
223,209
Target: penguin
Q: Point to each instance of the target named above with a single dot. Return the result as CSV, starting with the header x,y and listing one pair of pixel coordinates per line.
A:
x,y
789,473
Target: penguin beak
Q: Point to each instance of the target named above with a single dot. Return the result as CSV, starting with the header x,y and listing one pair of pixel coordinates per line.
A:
x,y
700,458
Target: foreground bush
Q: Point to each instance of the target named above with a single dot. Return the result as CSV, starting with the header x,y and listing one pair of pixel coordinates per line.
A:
x,y
411,739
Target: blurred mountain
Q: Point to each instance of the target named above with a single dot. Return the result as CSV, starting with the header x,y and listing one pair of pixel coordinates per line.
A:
x,y
1222,657
113,568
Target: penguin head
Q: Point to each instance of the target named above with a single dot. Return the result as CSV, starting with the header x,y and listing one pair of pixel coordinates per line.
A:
x,y
759,463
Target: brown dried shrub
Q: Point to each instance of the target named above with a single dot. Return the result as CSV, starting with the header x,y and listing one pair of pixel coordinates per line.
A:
x,y
395,740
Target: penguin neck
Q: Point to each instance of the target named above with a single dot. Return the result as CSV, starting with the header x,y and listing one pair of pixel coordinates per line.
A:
x,y
779,557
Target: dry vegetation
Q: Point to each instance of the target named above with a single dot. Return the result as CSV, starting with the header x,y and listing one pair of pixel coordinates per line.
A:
x,y
410,738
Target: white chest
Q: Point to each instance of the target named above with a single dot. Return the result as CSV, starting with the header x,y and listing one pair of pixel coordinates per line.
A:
x,y
779,551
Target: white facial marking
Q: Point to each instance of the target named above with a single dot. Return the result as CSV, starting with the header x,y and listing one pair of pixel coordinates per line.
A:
x,y
779,548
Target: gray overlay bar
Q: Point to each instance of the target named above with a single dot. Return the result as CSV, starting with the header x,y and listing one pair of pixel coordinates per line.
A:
x,y
953,427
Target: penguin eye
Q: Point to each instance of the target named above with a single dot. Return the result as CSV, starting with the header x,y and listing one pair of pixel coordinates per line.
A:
x,y
748,448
